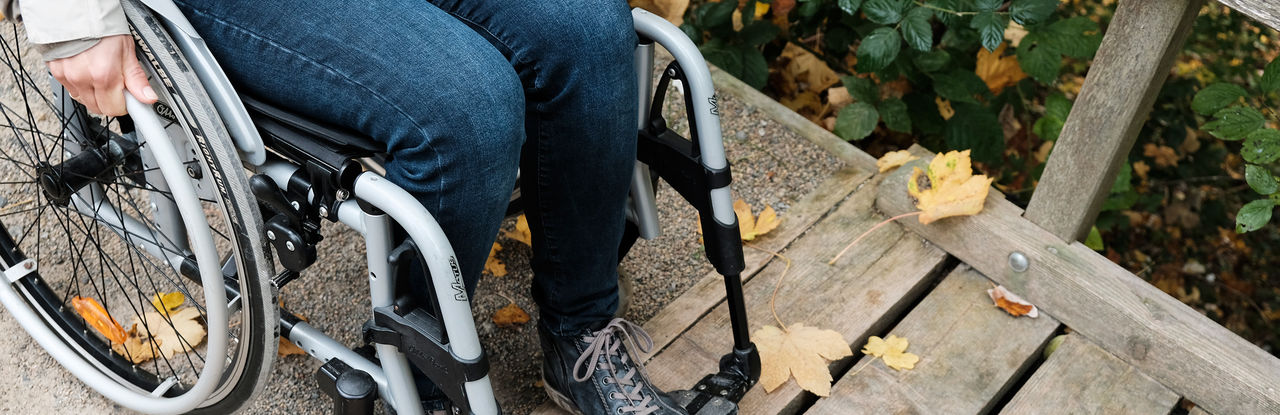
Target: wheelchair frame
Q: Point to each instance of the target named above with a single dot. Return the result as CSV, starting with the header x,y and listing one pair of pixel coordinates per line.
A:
x,y
335,187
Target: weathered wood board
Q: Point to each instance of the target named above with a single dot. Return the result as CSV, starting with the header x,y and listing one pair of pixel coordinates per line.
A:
x,y
1081,378
1127,73
861,294
970,353
1265,11
1105,303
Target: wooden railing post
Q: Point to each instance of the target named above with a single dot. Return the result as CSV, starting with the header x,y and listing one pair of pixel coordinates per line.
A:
x,y
1265,11
1131,65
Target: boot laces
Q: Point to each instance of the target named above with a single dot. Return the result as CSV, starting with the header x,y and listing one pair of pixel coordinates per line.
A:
x,y
606,343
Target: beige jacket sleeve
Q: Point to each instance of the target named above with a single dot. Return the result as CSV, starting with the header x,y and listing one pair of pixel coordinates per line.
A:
x,y
63,28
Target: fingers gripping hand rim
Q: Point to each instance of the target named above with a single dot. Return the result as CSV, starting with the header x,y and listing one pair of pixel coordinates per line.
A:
x,y
97,77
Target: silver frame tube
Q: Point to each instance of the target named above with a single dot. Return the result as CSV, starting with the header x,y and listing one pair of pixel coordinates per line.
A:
x,y
644,205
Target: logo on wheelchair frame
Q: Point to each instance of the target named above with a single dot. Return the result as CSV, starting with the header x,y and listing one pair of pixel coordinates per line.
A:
x,y
164,111
715,105
460,290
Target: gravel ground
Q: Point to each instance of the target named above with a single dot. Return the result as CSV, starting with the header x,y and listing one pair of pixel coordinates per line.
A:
x,y
771,166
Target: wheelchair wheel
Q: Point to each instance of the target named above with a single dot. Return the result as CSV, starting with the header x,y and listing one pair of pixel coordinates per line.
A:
x,y
86,199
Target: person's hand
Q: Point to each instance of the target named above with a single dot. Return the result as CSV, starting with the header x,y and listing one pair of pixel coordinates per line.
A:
x,y
98,76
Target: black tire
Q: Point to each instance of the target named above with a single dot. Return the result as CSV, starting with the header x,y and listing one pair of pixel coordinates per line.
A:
x,y
76,257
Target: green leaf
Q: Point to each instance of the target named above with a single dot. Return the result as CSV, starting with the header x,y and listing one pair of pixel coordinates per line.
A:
x,y
958,85
856,121
758,33
1124,179
950,19
975,128
878,49
1030,12
1271,76
1094,240
692,32
1215,97
744,62
1260,179
988,5
1234,123
1057,105
809,8
1261,147
1254,215
861,89
917,30
717,14
894,113
991,27
1038,59
755,69
885,11
1048,128
849,6
932,61
1077,37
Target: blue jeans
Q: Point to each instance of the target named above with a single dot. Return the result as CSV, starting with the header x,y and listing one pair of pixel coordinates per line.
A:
x,y
461,93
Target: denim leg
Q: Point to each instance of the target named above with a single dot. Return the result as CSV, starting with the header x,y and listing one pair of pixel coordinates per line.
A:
x,y
574,58
447,105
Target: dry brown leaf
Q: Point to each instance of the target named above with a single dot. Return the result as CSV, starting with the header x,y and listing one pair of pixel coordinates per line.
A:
x,y
838,97
1042,154
1014,34
782,7
749,226
998,71
672,10
803,66
493,266
521,232
167,301
944,108
136,349
1012,303
96,316
510,316
949,188
892,350
287,348
893,159
1163,155
179,332
801,352
1141,168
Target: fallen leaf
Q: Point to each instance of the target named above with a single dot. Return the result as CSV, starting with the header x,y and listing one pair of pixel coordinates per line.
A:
x,y
806,68
998,71
167,301
1042,154
761,9
893,159
949,188
1163,155
750,226
510,316
1141,168
892,350
1012,303
782,7
96,316
493,266
521,232
944,108
136,349
1014,34
180,332
801,352
838,97
287,348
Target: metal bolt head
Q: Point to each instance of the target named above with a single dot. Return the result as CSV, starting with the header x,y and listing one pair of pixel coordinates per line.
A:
x,y
1019,261
271,235
289,245
324,212
29,265
295,205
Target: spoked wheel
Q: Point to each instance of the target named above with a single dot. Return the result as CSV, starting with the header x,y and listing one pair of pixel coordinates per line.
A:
x,y
100,220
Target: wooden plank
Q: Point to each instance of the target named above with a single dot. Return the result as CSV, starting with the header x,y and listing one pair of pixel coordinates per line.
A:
x,y
971,353
1127,73
1265,11
860,295
1145,327
1081,378
1198,411
708,292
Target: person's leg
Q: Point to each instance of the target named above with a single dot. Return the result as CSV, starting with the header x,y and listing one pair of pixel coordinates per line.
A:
x,y
575,59
446,103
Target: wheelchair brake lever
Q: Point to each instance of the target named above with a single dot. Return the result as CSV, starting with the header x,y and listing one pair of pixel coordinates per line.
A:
x,y
271,195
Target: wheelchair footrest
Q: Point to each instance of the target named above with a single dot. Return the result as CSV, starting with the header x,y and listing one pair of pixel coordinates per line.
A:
x,y
421,337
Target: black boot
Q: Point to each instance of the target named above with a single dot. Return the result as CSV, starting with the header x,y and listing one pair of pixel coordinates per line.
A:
x,y
592,373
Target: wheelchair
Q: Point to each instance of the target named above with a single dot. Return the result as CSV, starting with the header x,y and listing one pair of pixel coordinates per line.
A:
x,y
220,197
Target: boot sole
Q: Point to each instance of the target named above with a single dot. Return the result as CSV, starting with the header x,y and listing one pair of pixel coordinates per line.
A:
x,y
559,399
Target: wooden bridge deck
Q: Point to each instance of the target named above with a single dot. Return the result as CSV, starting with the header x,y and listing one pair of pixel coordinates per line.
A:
x,y
975,358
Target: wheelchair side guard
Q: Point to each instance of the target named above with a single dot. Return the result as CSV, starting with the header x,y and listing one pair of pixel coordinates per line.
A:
x,y
698,171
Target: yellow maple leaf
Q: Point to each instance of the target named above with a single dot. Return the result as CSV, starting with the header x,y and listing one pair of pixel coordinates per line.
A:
x,y
159,334
510,316
893,159
998,71
892,351
949,188
801,352
521,232
944,108
167,301
750,226
494,266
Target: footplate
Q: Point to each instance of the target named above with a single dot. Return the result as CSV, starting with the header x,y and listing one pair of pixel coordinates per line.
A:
x,y
421,337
